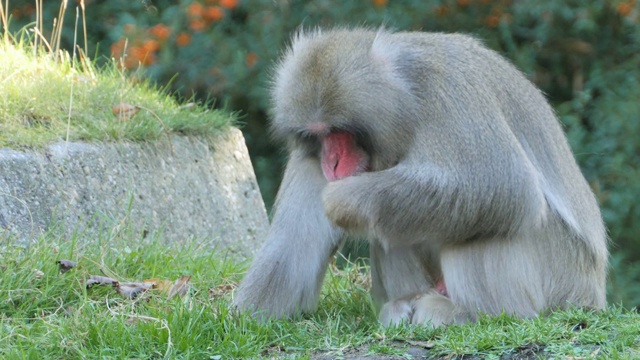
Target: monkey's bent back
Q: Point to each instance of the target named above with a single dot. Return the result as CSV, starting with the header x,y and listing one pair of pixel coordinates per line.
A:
x,y
469,181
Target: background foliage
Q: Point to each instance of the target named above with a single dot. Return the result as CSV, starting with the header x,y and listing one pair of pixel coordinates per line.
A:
x,y
584,54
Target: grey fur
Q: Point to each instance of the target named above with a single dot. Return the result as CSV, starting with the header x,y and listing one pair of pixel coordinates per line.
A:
x,y
472,179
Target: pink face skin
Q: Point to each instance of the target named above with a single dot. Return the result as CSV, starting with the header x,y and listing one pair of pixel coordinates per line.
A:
x,y
341,157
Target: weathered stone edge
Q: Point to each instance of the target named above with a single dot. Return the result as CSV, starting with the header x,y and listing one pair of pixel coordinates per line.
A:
x,y
206,190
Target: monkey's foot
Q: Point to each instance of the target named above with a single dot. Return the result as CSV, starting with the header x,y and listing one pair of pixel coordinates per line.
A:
x,y
432,309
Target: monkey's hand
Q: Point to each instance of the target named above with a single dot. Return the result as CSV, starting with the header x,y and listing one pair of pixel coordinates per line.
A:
x,y
345,206
278,285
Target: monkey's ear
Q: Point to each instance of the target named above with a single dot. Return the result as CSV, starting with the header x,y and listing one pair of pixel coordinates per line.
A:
x,y
393,59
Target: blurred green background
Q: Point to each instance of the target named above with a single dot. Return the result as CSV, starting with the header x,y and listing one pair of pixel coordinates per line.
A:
x,y
585,55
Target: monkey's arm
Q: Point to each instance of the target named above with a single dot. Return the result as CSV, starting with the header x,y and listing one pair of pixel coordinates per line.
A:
x,y
450,202
286,275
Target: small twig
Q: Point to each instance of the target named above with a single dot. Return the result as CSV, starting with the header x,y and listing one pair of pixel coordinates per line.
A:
x,y
57,29
73,61
44,41
4,20
84,27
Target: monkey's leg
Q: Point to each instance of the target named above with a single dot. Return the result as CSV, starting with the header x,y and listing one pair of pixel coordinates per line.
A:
x,y
489,276
398,274
287,273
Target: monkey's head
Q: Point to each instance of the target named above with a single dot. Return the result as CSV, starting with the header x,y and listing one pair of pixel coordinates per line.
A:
x,y
344,99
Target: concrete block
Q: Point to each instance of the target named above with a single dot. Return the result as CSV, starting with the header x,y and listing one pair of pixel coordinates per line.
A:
x,y
205,190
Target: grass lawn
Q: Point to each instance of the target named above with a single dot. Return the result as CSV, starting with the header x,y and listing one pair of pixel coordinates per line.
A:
x,y
44,99
48,314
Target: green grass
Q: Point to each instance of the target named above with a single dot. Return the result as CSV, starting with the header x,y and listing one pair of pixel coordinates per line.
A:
x,y
45,314
44,99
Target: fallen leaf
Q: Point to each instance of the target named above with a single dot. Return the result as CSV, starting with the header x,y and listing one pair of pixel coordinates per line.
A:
x,y
162,285
180,287
100,280
124,111
221,290
132,290
152,281
165,285
66,265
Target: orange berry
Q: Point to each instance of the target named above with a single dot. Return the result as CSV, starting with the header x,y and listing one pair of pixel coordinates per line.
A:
x,y
130,63
149,59
195,9
213,13
136,52
141,55
625,8
251,60
138,55
379,3
442,10
197,25
117,48
150,46
183,39
229,4
492,21
160,31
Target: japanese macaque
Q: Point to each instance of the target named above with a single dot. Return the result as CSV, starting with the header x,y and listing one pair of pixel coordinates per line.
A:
x,y
448,160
